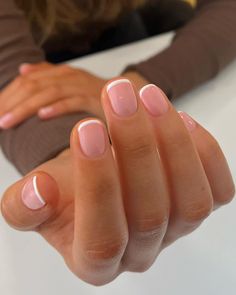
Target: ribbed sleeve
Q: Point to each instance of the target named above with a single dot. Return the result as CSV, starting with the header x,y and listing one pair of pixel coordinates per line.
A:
x,y
199,51
35,141
16,42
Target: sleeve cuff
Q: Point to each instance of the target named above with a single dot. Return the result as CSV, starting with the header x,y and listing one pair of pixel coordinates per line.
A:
x,y
35,141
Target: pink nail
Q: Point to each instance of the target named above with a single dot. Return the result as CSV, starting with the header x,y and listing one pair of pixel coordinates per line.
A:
x,y
23,68
6,121
154,100
45,112
122,97
92,137
31,196
188,121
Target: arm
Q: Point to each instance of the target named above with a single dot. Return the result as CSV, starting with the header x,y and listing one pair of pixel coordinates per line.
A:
x,y
175,70
34,141
16,43
199,51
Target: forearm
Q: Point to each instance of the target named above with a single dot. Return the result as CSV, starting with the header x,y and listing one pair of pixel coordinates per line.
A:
x,y
16,42
195,56
199,51
34,141
16,46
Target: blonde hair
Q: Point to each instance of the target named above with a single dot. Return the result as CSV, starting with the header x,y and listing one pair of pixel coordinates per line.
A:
x,y
51,16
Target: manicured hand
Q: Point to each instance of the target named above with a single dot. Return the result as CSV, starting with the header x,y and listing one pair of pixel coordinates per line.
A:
x,y
110,209
51,91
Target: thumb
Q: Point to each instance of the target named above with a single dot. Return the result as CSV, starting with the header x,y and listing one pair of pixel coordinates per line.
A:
x,y
30,202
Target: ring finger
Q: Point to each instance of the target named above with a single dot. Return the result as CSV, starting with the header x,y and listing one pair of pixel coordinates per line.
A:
x,y
191,195
30,106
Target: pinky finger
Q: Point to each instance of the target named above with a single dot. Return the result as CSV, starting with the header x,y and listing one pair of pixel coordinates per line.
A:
x,y
213,161
65,106
27,68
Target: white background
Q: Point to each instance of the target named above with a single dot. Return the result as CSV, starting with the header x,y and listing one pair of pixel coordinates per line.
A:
x,y
202,263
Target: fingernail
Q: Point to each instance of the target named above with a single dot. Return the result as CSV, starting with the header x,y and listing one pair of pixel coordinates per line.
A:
x,y
122,97
6,121
44,112
25,64
24,67
188,121
31,196
92,138
154,100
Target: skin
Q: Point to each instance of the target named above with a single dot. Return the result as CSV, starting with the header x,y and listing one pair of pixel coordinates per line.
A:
x,y
117,212
62,88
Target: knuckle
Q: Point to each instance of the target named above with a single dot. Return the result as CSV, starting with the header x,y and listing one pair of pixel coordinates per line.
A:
x,y
151,227
96,281
102,189
54,90
28,107
64,104
212,148
198,211
140,268
64,69
177,140
105,251
44,64
138,148
19,81
230,193
29,85
227,196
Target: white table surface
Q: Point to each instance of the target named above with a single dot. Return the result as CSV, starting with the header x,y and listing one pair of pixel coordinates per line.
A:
x,y
202,263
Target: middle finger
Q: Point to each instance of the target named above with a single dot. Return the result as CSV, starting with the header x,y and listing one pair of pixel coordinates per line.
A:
x,y
145,194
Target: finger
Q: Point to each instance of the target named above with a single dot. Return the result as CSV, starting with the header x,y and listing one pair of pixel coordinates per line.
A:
x,y
61,107
9,89
24,88
30,107
191,194
27,68
31,202
213,160
100,229
20,86
23,92
35,204
71,105
144,188
50,71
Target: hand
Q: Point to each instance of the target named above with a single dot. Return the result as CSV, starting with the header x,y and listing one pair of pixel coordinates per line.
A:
x,y
50,91
113,209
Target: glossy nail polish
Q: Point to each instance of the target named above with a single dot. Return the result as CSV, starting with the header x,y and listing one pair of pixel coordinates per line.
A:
x,y
6,121
154,100
188,121
31,196
46,112
93,140
122,97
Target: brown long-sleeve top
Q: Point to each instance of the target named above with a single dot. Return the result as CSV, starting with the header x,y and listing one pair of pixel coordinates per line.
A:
x,y
199,50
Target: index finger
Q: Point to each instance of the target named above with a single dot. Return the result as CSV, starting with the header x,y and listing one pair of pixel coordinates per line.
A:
x,y
100,227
